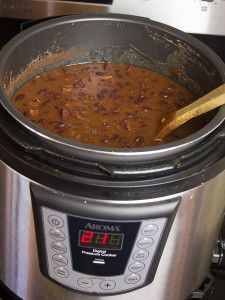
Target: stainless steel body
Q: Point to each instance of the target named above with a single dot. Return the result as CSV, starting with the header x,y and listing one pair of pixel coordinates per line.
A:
x,y
183,265
207,16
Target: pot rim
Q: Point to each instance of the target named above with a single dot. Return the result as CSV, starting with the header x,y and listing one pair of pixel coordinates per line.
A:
x,y
107,154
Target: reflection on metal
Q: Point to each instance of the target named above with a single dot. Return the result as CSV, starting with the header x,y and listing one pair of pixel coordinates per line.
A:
x,y
194,16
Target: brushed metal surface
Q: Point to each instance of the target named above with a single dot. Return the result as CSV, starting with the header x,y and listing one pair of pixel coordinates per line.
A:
x,y
184,263
194,16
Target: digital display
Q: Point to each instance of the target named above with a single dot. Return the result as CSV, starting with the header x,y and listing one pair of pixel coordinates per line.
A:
x,y
101,240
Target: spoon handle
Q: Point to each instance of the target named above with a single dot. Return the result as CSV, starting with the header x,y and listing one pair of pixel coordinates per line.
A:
x,y
204,104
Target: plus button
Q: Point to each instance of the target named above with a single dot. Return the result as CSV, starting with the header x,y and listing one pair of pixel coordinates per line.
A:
x,y
107,285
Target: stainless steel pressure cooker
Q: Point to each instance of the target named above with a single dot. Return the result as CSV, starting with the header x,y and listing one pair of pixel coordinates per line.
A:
x,y
81,222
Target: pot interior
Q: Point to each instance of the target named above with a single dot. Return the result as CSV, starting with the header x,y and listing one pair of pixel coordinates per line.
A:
x,y
109,40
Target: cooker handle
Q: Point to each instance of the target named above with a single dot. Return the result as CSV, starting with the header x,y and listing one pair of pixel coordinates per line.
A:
x,y
204,289
218,268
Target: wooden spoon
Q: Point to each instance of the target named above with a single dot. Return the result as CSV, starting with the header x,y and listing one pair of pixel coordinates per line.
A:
x,y
204,104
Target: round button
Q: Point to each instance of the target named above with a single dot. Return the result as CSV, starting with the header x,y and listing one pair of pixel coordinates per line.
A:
x,y
55,221
133,278
61,272
140,255
107,285
85,282
145,243
57,234
149,230
136,267
60,259
58,247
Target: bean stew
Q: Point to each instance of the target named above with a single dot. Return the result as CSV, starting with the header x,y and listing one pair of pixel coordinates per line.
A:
x,y
105,104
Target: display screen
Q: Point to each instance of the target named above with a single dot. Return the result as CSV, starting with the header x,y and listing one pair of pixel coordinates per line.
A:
x,y
101,240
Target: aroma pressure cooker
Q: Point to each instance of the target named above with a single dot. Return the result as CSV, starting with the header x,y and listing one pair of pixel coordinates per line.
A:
x,y
82,222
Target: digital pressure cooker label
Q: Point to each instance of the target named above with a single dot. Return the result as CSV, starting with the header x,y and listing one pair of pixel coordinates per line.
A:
x,y
96,256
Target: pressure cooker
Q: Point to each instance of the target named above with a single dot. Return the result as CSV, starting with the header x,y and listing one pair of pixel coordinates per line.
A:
x,y
81,222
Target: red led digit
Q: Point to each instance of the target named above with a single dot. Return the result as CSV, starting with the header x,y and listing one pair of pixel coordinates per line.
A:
x,y
86,237
101,238
104,239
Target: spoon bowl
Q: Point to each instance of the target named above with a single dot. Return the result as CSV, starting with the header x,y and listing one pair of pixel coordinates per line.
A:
x,y
208,102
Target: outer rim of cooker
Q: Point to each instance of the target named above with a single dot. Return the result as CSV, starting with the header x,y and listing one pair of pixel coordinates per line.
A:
x,y
104,154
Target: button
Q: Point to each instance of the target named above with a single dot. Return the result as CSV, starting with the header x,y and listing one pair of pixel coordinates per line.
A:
x,y
60,259
57,234
133,278
140,255
107,285
55,221
149,230
61,272
136,267
145,243
85,282
58,247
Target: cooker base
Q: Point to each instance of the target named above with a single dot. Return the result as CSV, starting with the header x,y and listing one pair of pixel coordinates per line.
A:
x,y
205,291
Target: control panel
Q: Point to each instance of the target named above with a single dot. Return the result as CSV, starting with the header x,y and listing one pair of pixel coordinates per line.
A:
x,y
207,16
98,256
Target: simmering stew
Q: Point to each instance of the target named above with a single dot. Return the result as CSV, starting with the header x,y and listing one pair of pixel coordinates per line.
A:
x,y
104,104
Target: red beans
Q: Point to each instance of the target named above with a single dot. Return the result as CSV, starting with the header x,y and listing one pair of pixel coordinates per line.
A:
x,y
105,104
19,97
139,140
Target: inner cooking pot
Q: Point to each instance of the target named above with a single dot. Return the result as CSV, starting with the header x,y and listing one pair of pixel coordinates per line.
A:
x,y
110,38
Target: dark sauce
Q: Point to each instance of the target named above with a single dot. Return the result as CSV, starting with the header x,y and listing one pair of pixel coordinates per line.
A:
x,y
104,104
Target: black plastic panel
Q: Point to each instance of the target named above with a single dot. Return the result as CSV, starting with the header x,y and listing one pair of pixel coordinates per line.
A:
x,y
114,260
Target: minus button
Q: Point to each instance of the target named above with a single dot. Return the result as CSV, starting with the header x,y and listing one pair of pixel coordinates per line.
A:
x,y
85,282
